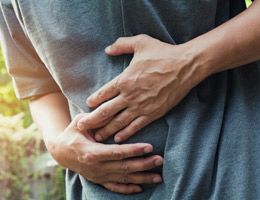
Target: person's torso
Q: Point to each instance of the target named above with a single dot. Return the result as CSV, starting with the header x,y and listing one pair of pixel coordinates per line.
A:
x,y
70,37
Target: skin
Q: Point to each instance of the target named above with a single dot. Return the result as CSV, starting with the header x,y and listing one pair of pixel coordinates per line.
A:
x,y
160,74
157,79
112,166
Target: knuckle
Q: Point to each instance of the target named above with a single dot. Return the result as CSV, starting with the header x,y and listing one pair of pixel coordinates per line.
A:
x,y
129,98
119,123
122,136
144,166
104,113
79,116
143,179
100,94
131,115
73,144
124,179
123,82
93,174
148,108
135,126
117,154
141,38
126,100
115,84
124,167
88,158
102,135
80,158
119,40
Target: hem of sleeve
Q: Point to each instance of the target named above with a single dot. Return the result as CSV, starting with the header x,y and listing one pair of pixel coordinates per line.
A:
x,y
32,92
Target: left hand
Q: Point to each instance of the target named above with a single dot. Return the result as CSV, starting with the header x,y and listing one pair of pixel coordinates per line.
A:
x,y
158,78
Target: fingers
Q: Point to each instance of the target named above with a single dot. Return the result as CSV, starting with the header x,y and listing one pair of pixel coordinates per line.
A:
x,y
76,119
132,128
133,165
102,113
102,152
116,124
125,45
105,93
136,178
123,188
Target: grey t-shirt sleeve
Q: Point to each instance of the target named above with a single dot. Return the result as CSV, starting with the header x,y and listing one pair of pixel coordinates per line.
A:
x,y
30,76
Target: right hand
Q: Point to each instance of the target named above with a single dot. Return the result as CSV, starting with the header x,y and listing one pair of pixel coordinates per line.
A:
x,y
116,167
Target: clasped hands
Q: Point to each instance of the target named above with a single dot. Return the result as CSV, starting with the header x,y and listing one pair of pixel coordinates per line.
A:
x,y
158,77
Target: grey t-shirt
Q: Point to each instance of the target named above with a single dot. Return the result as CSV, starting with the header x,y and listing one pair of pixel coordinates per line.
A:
x,y
210,141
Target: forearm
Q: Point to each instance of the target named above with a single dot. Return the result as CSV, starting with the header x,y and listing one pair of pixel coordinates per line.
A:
x,y
235,43
51,115
99,163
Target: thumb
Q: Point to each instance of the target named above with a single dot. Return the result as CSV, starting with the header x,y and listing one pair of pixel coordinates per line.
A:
x,y
124,45
86,132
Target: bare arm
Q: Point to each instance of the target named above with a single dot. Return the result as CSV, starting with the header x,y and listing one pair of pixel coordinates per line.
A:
x,y
108,165
47,110
235,43
160,74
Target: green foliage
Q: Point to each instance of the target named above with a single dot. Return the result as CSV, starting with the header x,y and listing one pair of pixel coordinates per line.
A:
x,y
59,191
248,2
8,101
19,147
21,150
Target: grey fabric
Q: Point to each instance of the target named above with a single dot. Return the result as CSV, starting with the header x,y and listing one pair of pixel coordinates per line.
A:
x,y
210,141
30,76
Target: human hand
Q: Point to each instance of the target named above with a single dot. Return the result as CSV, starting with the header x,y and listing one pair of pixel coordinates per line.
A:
x,y
116,167
157,79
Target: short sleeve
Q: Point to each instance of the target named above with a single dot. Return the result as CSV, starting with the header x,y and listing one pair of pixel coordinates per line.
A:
x,y
29,74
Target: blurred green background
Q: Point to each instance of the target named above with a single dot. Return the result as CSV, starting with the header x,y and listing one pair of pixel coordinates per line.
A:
x,y
24,171
27,171
9,104
248,2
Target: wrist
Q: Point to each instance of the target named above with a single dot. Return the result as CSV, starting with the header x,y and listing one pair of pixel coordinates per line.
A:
x,y
196,62
50,139
50,143
55,147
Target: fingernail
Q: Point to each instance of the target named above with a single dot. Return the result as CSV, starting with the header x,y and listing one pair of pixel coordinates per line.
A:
x,y
89,102
117,139
148,149
108,48
157,179
158,162
98,138
81,126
